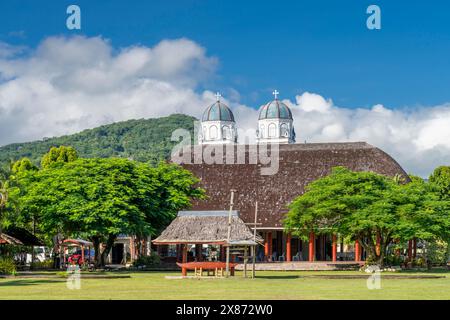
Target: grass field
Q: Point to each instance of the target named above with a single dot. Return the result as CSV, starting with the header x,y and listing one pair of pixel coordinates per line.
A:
x,y
268,285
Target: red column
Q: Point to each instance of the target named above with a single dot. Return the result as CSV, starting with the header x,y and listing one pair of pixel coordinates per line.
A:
x,y
288,248
357,251
311,247
269,245
266,244
334,249
82,254
410,250
414,248
378,247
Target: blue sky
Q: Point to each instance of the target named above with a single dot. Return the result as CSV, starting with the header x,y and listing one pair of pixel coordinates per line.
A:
x,y
145,59
294,46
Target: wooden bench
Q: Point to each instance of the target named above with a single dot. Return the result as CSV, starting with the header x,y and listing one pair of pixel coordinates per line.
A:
x,y
216,268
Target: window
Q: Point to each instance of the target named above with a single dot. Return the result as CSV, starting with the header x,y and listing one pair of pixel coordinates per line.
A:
x,y
226,132
212,132
272,130
284,130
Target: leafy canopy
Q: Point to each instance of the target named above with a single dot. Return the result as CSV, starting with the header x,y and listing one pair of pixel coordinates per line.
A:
x,y
369,207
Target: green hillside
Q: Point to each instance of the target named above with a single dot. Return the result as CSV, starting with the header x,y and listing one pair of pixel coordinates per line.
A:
x,y
142,140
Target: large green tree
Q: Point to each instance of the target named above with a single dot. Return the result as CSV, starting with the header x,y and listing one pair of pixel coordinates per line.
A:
x,y
102,198
367,207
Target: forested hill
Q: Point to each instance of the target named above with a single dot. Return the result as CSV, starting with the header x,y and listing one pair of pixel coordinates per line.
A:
x,y
142,140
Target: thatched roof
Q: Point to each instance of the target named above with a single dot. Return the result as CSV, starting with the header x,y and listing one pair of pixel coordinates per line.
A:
x,y
209,227
6,239
299,165
24,236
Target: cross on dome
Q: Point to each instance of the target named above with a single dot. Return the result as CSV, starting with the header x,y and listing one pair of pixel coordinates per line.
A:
x,y
275,93
218,96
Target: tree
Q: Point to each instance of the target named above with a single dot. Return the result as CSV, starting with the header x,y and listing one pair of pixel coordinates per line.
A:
x,y
368,207
102,198
440,181
58,155
4,193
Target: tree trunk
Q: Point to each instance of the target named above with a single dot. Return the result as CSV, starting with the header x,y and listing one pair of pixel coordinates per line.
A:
x,y
107,250
97,253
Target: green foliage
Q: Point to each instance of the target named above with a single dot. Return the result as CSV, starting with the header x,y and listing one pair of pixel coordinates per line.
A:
x,y
60,154
440,179
437,252
367,206
102,198
152,260
145,140
7,265
23,165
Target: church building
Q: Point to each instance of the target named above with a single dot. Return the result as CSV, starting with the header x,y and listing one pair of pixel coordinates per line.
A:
x,y
299,164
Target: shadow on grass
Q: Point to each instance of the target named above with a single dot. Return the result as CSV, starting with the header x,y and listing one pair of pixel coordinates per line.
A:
x,y
279,277
28,282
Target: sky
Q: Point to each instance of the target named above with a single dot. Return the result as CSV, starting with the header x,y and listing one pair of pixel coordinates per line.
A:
x,y
142,59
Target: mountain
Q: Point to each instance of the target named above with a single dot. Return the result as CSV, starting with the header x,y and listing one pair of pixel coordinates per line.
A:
x,y
147,140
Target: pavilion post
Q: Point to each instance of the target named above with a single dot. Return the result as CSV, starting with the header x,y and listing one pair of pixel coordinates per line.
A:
x,y
184,258
245,261
229,235
254,239
334,248
311,246
82,253
357,251
288,248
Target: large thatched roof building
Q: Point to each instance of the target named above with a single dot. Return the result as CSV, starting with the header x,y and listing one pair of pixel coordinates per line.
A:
x,y
296,165
272,173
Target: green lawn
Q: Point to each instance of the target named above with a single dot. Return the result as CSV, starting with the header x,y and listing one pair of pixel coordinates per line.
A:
x,y
267,285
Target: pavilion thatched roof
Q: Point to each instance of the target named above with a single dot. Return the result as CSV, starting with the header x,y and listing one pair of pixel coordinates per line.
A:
x,y
6,239
206,227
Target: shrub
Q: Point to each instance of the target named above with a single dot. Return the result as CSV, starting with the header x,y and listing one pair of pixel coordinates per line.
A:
x,y
393,260
39,265
7,266
148,261
436,252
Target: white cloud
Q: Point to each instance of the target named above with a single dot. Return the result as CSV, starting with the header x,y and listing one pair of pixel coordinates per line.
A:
x,y
69,84
419,138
